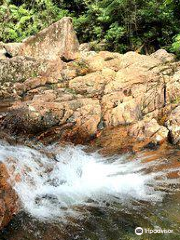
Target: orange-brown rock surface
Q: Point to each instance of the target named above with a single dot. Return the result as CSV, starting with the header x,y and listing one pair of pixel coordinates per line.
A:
x,y
58,91
40,55
8,198
57,41
83,92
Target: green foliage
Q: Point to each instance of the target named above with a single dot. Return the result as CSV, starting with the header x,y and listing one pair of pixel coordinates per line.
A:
x,y
130,24
18,21
121,25
176,44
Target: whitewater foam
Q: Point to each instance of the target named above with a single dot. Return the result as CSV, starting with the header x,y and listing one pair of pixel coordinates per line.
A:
x,y
58,186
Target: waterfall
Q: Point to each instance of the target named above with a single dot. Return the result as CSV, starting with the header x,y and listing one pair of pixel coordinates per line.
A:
x,y
58,182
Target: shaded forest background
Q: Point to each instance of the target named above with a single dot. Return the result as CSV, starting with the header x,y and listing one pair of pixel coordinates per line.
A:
x,y
117,25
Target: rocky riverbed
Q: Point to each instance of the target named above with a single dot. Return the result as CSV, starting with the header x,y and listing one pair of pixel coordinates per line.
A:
x,y
53,90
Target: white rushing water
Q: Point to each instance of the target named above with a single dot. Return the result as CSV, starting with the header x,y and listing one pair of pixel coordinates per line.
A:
x,y
60,185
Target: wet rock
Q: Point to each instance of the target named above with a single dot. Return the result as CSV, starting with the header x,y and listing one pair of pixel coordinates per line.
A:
x,y
151,146
8,198
38,115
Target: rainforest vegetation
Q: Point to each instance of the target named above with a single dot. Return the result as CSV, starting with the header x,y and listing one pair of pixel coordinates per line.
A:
x,y
118,25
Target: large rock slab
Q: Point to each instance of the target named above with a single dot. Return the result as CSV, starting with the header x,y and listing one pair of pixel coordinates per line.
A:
x,y
57,41
80,115
43,54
